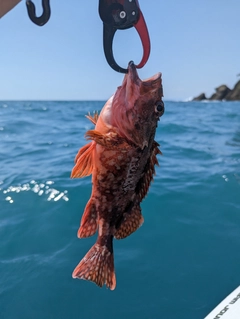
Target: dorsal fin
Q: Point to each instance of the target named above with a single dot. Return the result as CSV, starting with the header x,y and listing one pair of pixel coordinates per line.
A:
x,y
93,118
149,172
84,161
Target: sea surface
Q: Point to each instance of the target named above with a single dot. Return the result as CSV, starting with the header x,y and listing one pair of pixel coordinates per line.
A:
x,y
179,265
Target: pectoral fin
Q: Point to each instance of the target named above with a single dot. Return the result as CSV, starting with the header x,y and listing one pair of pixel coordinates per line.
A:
x,y
84,161
110,140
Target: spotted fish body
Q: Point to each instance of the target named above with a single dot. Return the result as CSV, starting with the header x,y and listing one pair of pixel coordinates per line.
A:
x,y
121,158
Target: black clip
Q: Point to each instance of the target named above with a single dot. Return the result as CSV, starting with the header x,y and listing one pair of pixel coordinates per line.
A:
x,y
121,15
43,19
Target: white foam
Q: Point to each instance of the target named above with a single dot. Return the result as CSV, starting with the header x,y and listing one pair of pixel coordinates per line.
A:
x,y
39,189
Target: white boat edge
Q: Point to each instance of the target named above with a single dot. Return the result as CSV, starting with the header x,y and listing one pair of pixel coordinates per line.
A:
x,y
229,308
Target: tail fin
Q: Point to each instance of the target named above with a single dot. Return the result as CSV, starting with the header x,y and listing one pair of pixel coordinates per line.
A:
x,y
97,266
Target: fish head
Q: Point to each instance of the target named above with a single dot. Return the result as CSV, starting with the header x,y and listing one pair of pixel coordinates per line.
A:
x,y
136,107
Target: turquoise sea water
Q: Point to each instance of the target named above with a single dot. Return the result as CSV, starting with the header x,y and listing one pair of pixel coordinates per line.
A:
x,y
179,265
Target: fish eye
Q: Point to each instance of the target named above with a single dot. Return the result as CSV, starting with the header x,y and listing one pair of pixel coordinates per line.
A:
x,y
160,106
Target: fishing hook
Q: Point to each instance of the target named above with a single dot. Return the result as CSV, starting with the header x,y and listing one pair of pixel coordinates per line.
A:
x,y
43,19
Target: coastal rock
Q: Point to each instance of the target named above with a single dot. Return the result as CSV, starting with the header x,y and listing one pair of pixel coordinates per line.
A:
x,y
234,95
221,93
200,97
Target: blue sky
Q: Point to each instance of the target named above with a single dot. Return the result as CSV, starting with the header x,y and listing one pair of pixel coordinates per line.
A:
x,y
195,44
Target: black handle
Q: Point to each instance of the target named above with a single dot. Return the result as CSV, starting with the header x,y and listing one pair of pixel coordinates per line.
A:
x,y
108,35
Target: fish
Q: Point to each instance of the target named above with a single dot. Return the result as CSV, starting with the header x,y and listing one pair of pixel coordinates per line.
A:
x,y
121,157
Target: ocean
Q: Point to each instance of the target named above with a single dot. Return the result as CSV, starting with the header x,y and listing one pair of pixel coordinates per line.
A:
x,y
179,265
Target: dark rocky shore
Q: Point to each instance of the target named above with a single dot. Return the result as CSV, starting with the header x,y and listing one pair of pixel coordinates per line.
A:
x,y
222,93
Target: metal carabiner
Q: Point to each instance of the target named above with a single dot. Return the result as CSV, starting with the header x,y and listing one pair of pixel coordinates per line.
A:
x,y
43,19
121,15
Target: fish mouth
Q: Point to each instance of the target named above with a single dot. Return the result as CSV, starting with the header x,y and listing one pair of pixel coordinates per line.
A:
x,y
131,83
133,87
155,78
132,73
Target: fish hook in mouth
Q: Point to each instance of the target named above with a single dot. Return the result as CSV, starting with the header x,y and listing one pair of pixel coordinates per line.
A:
x,y
131,67
132,73
131,83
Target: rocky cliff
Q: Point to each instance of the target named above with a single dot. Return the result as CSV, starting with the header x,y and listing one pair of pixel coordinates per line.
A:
x,y
222,93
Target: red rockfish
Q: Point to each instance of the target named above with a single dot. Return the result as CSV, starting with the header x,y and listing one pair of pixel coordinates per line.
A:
x,y
121,158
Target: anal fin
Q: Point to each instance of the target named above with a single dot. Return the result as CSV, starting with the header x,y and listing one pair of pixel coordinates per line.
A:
x,y
88,225
132,220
